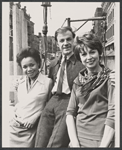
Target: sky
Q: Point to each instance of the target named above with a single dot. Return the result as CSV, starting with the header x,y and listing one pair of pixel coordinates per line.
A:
x,y
58,12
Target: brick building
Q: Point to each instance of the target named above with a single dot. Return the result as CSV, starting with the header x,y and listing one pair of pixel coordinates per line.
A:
x,y
106,36
108,8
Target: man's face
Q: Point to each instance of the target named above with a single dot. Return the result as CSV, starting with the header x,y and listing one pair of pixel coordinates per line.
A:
x,y
65,42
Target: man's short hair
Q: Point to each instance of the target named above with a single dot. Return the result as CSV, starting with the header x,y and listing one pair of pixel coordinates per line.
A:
x,y
64,29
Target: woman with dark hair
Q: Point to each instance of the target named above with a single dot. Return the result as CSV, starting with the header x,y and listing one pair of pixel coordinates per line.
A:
x,y
33,92
91,109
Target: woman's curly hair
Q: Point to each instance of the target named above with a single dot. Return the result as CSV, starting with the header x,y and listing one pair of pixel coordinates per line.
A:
x,y
29,52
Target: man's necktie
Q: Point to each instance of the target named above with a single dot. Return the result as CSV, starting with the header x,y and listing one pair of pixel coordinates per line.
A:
x,y
59,87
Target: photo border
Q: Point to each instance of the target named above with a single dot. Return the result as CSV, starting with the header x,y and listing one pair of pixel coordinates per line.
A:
x,y
5,64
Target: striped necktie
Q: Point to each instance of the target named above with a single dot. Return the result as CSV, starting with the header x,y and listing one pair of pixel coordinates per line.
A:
x,y
59,87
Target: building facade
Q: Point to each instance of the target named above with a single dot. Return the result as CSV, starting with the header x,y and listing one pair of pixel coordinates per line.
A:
x,y
105,31
108,8
21,34
97,23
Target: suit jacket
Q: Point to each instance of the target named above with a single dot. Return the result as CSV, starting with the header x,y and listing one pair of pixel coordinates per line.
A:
x,y
73,68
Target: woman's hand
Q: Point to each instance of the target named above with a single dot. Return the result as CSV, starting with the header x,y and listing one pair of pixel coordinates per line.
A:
x,y
30,123
107,136
76,145
32,120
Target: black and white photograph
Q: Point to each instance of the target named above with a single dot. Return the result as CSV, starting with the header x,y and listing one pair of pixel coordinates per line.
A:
x,y
60,74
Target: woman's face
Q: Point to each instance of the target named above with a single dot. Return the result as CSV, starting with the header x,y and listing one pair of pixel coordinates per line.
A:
x,y
30,67
90,58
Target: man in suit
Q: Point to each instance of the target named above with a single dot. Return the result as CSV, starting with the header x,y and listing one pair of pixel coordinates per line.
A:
x,y
52,130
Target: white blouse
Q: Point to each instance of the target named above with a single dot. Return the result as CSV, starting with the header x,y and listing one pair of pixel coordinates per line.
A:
x,y
32,101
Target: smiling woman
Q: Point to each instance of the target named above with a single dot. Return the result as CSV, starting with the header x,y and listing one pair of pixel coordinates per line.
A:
x,y
30,68
30,62
33,92
90,52
92,99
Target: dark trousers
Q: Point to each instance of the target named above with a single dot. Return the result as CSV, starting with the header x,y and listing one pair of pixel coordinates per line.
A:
x,y
52,130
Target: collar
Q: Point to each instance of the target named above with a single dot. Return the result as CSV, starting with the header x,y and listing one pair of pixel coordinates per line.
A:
x,y
40,78
76,81
70,58
22,79
83,72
